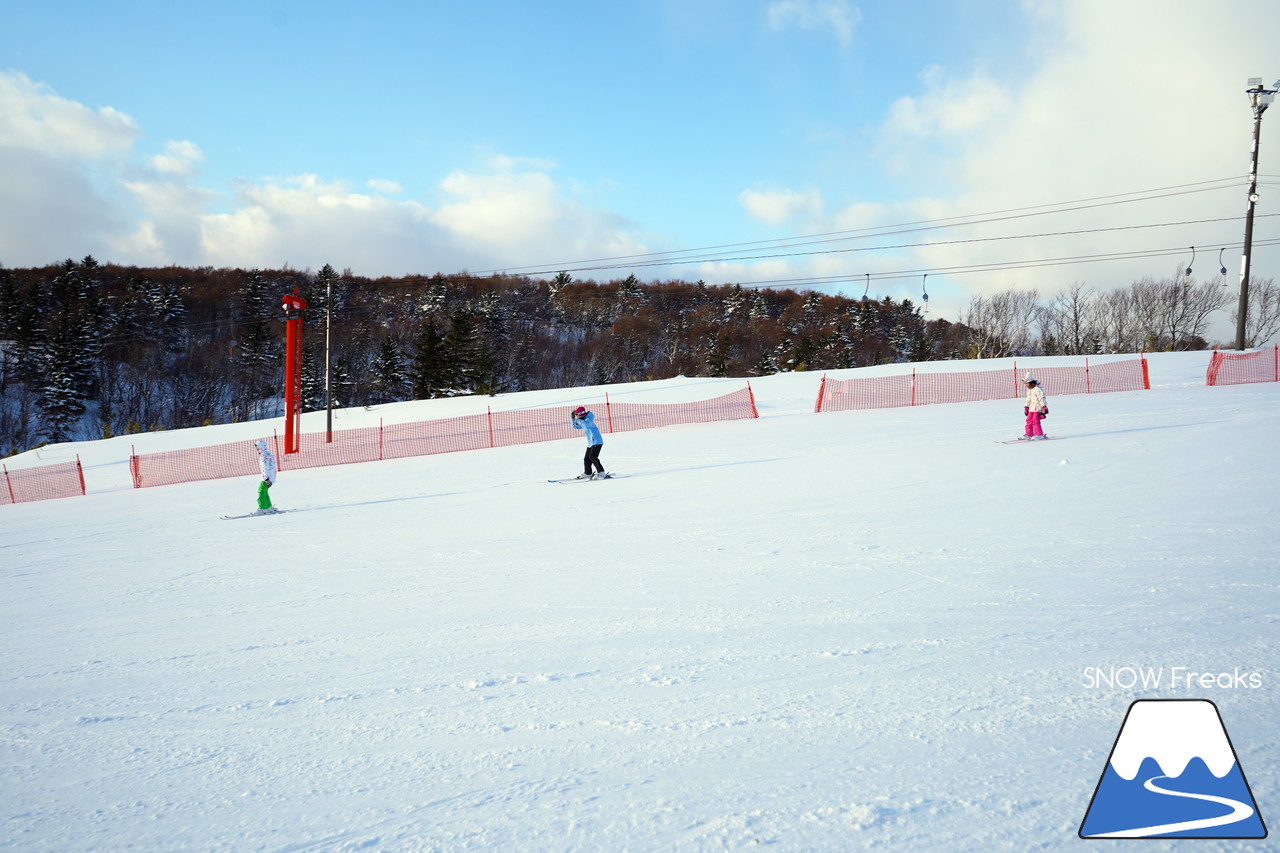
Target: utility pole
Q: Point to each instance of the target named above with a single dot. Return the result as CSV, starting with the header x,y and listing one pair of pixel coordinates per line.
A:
x,y
1259,98
328,368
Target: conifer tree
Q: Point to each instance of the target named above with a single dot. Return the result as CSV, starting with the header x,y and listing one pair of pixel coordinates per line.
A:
x,y
312,379
26,330
66,374
495,338
465,359
734,303
718,356
258,345
520,367
388,372
340,383
429,368
10,302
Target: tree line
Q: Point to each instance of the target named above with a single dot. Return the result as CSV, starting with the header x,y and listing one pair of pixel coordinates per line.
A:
x,y
1149,315
91,350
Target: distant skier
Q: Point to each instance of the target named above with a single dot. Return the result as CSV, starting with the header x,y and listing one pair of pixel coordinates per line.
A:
x,y
585,421
267,465
1036,409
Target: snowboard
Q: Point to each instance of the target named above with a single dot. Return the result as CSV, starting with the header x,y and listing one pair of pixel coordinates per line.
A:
x,y
255,515
584,480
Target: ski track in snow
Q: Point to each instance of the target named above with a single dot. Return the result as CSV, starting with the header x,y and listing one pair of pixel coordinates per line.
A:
x,y
1239,811
860,630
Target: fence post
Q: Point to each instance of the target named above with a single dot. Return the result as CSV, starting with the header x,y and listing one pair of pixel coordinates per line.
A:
x,y
608,411
1275,353
379,439
1088,384
135,467
9,483
297,445
80,471
752,395
1146,375
913,386
822,388
489,414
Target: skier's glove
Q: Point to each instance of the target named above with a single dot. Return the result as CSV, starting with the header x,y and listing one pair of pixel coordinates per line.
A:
x,y
1044,415
1026,410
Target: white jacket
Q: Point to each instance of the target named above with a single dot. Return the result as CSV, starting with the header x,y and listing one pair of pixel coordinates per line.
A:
x,y
266,463
1036,400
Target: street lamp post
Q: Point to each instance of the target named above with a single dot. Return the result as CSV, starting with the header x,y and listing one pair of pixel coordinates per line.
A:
x,y
1259,98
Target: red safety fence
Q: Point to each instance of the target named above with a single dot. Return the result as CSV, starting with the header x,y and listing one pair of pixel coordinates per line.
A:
x,y
1237,368
423,438
922,389
64,480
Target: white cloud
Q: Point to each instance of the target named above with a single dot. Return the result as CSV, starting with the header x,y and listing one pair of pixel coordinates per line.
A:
x,y
1122,97
947,107
305,222
506,163
491,220
776,207
385,187
1116,98
834,15
514,216
33,117
179,158
172,229
72,186
55,162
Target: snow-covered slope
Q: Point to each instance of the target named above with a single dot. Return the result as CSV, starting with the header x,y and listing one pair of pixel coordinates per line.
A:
x,y
803,632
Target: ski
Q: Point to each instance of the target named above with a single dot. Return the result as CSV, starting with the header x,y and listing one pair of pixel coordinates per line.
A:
x,y
585,480
1026,440
254,514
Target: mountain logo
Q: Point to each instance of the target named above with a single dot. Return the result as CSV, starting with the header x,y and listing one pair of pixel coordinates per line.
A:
x,y
1172,773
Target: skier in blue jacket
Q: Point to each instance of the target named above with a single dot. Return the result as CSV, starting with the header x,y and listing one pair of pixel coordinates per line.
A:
x,y
585,421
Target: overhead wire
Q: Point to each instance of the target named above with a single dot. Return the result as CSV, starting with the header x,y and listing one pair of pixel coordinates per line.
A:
x,y
1003,266
704,254
733,252
938,243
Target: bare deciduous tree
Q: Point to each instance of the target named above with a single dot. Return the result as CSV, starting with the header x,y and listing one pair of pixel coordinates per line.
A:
x,y
1263,322
1001,323
1070,323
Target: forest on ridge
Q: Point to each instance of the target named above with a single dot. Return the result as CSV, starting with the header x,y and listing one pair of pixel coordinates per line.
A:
x,y
91,350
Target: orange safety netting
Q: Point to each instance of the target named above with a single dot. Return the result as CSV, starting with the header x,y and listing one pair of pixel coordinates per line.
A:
x,y
43,483
1237,368
449,435
922,389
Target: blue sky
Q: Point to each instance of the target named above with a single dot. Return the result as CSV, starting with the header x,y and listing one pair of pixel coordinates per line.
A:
x,y
394,138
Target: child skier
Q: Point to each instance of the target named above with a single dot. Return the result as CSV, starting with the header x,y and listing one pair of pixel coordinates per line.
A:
x,y
585,421
267,465
1036,409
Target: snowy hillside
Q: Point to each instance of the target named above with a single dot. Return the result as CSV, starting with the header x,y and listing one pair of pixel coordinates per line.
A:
x,y
860,630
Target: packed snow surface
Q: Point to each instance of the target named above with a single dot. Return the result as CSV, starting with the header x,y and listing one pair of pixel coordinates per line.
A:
x,y
859,630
